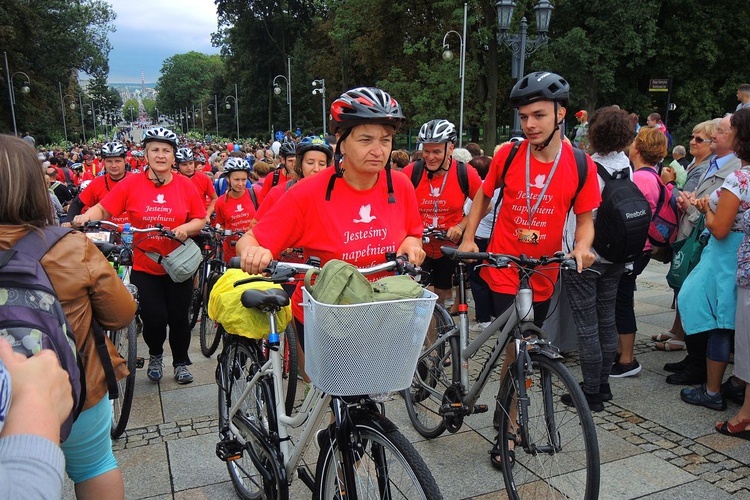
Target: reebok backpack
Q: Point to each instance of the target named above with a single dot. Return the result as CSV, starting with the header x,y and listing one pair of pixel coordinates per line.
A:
x,y
666,217
31,317
623,218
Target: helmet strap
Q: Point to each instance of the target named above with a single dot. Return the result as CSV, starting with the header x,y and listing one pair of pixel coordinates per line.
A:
x,y
552,135
157,181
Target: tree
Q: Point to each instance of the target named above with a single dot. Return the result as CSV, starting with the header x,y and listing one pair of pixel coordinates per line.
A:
x,y
51,40
185,79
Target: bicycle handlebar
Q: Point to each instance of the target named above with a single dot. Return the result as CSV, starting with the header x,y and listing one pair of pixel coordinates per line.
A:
x,y
119,228
505,260
284,272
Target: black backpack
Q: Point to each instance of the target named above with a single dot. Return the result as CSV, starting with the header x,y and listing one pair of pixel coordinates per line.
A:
x,y
623,219
463,176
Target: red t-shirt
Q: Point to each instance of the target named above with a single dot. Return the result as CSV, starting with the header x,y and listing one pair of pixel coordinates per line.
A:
x,y
271,198
442,206
234,214
204,186
268,182
549,219
97,190
93,169
356,226
170,205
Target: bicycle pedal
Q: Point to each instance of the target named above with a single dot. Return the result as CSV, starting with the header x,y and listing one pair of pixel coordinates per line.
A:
x,y
139,362
480,408
229,451
453,409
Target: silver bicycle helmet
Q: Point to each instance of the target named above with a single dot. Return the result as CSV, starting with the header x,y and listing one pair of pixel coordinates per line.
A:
x,y
184,154
236,165
160,134
287,149
113,150
437,132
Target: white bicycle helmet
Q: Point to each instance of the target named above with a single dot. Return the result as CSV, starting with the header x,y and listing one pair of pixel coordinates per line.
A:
x,y
160,134
113,150
184,154
236,165
437,132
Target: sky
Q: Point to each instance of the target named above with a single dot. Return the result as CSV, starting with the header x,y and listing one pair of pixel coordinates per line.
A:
x,y
149,31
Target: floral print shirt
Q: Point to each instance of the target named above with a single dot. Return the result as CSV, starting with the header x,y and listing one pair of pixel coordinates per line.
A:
x,y
743,254
738,183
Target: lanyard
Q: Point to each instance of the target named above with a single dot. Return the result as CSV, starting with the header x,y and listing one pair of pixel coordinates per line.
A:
x,y
532,210
436,195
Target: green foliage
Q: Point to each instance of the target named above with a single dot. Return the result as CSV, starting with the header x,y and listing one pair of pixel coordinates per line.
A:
x,y
186,79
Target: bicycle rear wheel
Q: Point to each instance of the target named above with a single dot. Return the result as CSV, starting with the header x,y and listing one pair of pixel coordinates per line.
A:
x,y
211,331
561,458
433,376
240,361
125,342
196,296
388,466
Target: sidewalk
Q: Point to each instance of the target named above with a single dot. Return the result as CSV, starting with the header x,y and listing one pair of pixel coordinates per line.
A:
x,y
652,444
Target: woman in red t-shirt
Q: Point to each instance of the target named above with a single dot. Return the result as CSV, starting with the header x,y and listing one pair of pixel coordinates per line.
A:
x,y
158,196
358,210
235,209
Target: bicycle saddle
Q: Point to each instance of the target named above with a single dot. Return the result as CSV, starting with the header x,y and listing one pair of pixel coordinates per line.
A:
x,y
273,297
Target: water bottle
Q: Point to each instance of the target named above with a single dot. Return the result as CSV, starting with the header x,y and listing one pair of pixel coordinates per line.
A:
x,y
127,235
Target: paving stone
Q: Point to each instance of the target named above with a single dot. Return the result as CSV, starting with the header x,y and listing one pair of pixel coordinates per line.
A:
x,y
145,470
191,473
192,401
691,490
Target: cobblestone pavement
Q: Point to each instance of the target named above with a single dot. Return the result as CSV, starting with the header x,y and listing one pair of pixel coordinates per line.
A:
x,y
652,445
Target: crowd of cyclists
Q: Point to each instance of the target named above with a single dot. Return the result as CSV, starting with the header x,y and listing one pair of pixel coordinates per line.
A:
x,y
351,196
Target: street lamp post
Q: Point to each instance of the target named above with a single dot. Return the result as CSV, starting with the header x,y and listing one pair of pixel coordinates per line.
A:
x,y
236,109
215,107
520,45
322,92
12,92
447,56
83,123
72,106
91,112
277,89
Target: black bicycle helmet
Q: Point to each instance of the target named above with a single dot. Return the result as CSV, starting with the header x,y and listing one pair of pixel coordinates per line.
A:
x,y
184,154
364,105
437,132
236,165
540,86
160,134
287,149
114,150
314,144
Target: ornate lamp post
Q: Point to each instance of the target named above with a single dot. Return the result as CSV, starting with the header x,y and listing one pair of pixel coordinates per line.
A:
x,y
322,92
62,106
91,112
448,56
277,89
520,45
236,108
215,107
12,92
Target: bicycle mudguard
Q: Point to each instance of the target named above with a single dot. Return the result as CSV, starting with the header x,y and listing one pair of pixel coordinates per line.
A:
x,y
260,439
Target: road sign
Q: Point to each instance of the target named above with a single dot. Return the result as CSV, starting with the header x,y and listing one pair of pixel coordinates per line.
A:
x,y
672,106
658,85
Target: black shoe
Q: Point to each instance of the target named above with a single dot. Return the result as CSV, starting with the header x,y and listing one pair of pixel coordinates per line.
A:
x,y
687,377
733,392
677,367
630,370
605,393
594,401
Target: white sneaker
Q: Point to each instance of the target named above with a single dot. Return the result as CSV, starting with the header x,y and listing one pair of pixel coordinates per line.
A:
x,y
479,327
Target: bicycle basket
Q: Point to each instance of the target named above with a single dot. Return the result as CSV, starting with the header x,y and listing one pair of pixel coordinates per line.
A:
x,y
224,306
370,348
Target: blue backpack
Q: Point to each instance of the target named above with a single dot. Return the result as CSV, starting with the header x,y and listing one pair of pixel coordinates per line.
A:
x,y
31,317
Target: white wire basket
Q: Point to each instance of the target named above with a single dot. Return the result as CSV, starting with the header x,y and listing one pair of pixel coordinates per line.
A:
x,y
370,348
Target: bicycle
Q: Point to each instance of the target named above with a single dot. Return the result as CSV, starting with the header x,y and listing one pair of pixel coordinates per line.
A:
x,y
554,447
361,453
125,339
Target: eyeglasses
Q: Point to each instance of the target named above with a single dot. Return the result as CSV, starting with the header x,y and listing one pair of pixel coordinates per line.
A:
x,y
699,140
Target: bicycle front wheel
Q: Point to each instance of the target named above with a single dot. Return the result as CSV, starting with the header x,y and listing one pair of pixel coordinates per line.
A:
x,y
561,457
126,344
388,466
433,376
195,298
211,330
240,362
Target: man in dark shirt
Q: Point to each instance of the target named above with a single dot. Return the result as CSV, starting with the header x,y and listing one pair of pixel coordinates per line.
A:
x,y
59,189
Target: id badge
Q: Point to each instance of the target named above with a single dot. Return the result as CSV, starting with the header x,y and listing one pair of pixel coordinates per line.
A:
x,y
528,235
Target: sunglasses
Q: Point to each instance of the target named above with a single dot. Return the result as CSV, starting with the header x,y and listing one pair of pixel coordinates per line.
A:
x,y
699,140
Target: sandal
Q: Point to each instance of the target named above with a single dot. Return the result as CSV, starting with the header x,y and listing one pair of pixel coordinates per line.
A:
x,y
662,337
496,453
670,345
739,429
